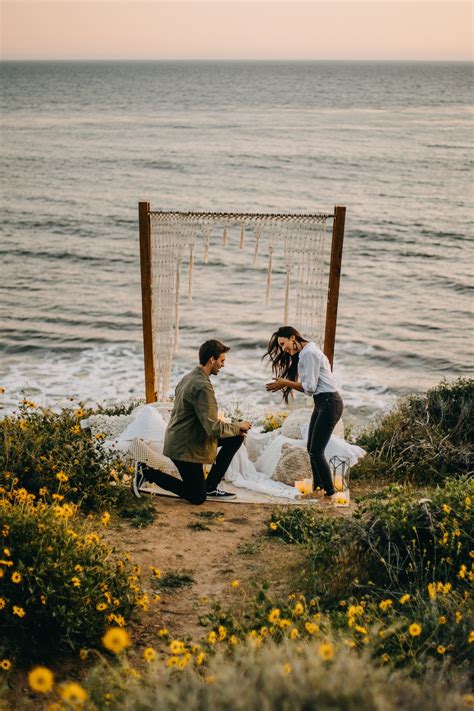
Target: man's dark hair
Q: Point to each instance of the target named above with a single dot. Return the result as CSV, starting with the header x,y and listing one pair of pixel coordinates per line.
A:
x,y
211,349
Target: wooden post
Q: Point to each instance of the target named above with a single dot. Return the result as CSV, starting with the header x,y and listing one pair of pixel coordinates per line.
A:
x,y
145,269
334,279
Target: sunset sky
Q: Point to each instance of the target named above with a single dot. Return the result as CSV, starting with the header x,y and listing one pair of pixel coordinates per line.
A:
x,y
235,29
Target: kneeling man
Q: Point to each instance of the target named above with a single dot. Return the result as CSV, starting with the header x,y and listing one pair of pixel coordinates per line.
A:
x,y
194,433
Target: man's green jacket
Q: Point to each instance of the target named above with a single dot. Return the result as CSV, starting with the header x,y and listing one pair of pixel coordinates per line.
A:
x,y
193,429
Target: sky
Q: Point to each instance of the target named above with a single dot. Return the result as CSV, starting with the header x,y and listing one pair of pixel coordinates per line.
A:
x,y
237,29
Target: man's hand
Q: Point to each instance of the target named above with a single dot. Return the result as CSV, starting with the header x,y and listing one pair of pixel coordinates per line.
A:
x,y
245,426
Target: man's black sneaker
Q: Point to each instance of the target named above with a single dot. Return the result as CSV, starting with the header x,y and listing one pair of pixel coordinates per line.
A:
x,y
138,479
220,494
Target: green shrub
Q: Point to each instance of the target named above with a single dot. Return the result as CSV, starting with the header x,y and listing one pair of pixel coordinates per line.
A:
x,y
46,450
397,542
424,439
60,584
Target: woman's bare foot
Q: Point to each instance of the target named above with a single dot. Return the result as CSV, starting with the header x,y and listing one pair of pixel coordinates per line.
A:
x,y
327,500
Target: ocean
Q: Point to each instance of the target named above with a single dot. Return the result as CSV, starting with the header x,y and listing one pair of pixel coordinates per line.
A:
x,y
83,142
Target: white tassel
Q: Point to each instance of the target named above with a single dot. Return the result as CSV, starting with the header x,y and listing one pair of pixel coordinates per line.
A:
x,y
287,298
257,241
207,240
191,271
269,276
176,313
242,237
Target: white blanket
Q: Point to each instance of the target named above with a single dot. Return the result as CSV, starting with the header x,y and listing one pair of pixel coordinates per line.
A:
x,y
148,423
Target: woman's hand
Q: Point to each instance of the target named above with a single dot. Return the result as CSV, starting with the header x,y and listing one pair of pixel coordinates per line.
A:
x,y
277,384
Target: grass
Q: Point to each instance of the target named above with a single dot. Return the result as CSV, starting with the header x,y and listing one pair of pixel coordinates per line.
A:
x,y
173,580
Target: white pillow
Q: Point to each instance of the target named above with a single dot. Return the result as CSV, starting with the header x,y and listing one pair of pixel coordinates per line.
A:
x,y
148,425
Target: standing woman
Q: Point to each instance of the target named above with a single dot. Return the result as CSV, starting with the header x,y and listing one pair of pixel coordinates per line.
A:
x,y
298,364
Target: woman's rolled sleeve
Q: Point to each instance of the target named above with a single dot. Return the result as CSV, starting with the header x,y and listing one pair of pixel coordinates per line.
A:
x,y
308,371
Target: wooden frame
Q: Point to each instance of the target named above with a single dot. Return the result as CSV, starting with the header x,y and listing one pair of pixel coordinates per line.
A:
x,y
335,263
334,281
145,269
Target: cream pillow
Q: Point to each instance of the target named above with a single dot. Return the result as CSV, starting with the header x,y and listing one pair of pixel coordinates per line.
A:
x,y
293,465
292,425
141,451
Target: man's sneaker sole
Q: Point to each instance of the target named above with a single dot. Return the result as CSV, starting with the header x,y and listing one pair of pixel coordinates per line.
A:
x,y
220,495
137,480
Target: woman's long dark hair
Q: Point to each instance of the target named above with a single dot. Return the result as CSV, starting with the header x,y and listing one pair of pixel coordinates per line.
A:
x,y
283,364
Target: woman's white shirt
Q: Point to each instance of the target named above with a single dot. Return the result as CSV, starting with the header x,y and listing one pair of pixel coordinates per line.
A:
x,y
314,371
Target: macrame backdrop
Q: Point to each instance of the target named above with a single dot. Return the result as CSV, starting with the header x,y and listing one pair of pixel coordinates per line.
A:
x,y
179,239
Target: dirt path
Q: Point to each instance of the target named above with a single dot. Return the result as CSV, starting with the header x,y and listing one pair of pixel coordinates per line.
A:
x,y
213,544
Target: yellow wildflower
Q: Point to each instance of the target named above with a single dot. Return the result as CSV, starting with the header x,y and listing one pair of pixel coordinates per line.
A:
x,y
233,640
458,616
470,639
385,658
273,526
200,659
326,651
442,620
414,629
18,611
177,647
116,640
149,655
212,637
235,584
16,577
311,628
3,602
163,632
61,476
385,604
298,609
101,606
156,572
404,598
105,518
222,632
5,664
274,615
360,629
446,508
294,634
73,694
287,668
440,649
41,679
432,590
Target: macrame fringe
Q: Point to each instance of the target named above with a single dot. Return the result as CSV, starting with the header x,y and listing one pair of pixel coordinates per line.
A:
x,y
298,244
